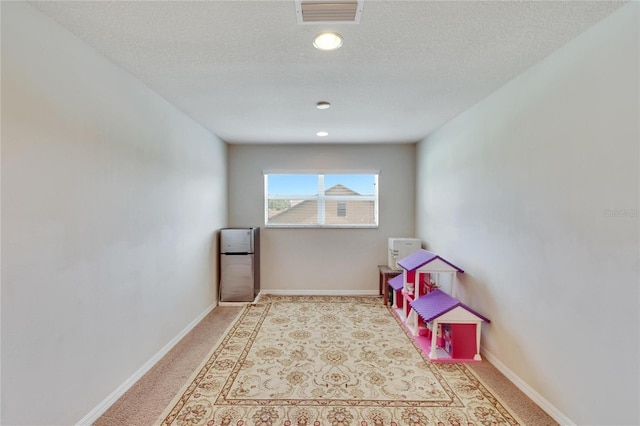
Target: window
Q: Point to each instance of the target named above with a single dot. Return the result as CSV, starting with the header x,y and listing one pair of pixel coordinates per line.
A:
x,y
331,200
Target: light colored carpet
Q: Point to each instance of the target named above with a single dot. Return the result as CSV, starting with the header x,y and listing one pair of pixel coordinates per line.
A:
x,y
316,361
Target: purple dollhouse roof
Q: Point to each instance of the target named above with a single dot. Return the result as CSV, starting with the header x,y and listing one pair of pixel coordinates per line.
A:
x,y
437,303
396,282
420,258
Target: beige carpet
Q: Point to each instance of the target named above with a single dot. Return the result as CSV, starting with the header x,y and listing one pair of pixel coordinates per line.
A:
x,y
317,361
329,360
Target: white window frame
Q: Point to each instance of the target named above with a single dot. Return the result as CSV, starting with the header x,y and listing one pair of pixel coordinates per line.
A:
x,y
321,197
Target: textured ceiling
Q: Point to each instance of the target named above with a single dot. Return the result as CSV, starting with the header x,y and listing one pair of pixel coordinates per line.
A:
x,y
248,71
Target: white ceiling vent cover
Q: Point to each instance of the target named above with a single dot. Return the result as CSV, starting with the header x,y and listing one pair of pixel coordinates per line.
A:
x,y
309,11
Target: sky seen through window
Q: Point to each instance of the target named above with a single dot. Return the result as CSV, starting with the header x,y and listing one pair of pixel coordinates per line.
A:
x,y
291,184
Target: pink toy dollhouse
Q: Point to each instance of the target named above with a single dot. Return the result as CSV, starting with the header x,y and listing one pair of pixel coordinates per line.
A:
x,y
453,329
445,328
421,271
397,283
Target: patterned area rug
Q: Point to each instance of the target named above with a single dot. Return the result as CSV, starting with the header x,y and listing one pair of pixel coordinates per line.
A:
x,y
328,360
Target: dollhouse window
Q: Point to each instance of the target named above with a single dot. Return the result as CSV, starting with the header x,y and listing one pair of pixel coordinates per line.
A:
x,y
321,200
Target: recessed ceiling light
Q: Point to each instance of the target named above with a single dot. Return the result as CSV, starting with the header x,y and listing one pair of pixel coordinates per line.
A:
x,y
323,105
321,134
327,41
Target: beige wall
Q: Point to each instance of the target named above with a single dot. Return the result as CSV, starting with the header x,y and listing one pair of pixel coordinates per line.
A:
x,y
323,260
534,193
110,201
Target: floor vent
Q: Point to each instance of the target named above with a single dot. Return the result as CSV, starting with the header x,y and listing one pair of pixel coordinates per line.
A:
x,y
328,11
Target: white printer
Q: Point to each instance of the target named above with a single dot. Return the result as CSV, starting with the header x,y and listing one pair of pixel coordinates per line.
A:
x,y
399,248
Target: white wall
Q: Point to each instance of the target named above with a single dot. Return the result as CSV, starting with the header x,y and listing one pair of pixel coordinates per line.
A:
x,y
323,260
519,191
110,202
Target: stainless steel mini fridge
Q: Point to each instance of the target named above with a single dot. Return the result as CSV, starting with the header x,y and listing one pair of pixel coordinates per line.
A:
x,y
239,264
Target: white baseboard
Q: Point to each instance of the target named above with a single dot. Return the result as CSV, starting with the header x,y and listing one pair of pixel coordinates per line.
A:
x,y
94,414
289,292
234,303
549,408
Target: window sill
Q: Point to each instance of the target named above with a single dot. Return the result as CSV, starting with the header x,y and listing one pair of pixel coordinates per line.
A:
x,y
323,226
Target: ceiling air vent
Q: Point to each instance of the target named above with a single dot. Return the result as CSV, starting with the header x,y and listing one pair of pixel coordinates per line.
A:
x,y
310,11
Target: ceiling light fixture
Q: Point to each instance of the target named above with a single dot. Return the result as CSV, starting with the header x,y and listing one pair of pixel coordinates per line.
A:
x,y
327,41
322,134
323,105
